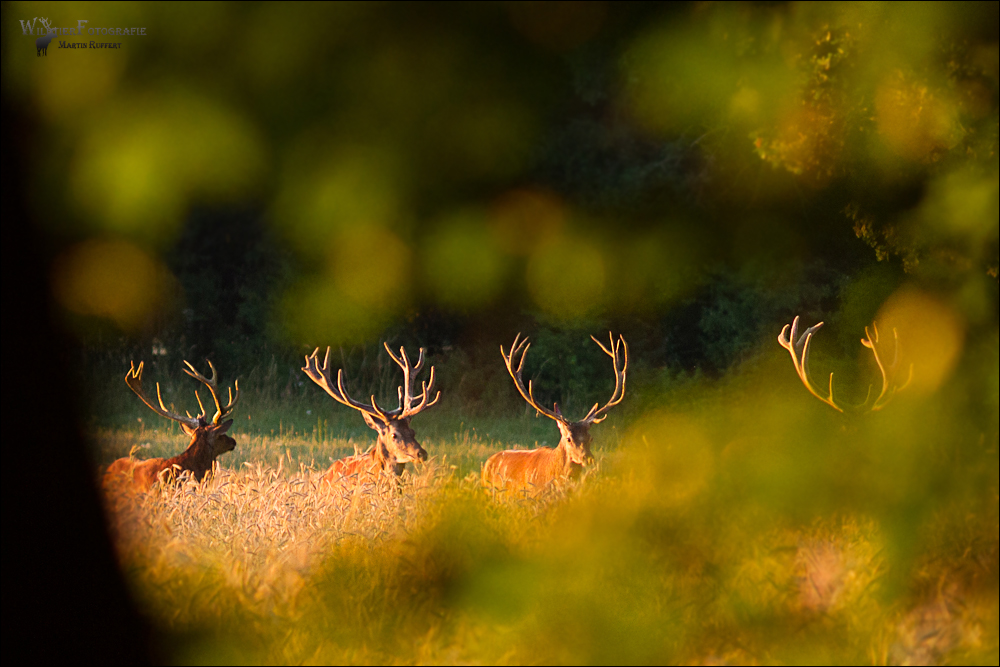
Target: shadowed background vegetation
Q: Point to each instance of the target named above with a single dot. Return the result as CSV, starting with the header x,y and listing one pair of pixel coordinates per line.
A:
x,y
245,183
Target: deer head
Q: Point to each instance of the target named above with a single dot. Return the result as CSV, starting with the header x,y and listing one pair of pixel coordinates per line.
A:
x,y
397,443
798,347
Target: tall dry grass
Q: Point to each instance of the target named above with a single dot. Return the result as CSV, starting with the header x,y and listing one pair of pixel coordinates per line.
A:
x,y
264,563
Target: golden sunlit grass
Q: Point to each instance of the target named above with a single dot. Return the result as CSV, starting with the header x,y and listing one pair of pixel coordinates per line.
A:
x,y
265,563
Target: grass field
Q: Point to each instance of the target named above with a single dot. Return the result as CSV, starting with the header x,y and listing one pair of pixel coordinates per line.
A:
x,y
739,521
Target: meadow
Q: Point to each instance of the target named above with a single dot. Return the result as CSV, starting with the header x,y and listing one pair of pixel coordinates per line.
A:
x,y
734,520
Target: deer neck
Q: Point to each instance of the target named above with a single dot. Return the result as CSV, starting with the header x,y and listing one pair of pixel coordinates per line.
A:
x,y
564,462
197,458
383,461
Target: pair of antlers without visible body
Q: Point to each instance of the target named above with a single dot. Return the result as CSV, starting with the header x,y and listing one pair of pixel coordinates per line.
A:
x,y
798,346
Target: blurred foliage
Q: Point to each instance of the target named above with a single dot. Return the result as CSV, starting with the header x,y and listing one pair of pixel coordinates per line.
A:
x,y
590,161
248,182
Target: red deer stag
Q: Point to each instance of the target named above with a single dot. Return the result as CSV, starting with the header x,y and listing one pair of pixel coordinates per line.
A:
x,y
208,438
397,443
798,347
538,467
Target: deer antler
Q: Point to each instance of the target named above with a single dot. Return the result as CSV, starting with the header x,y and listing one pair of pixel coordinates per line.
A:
x,y
619,356
220,412
527,394
888,374
596,416
406,407
321,376
133,378
799,349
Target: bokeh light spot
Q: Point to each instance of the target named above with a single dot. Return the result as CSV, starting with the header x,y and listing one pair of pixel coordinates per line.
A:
x,y
364,281
85,80
670,456
113,279
325,194
931,335
522,220
677,76
136,171
566,277
372,265
913,119
317,313
965,204
461,261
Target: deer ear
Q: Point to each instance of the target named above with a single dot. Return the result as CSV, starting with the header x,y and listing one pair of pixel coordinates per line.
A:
x,y
188,429
224,426
372,422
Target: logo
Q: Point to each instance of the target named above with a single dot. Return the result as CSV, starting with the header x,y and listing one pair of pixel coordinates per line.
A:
x,y
42,43
42,27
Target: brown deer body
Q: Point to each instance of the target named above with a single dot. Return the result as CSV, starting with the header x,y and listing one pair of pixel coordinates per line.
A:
x,y
397,443
208,438
536,468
